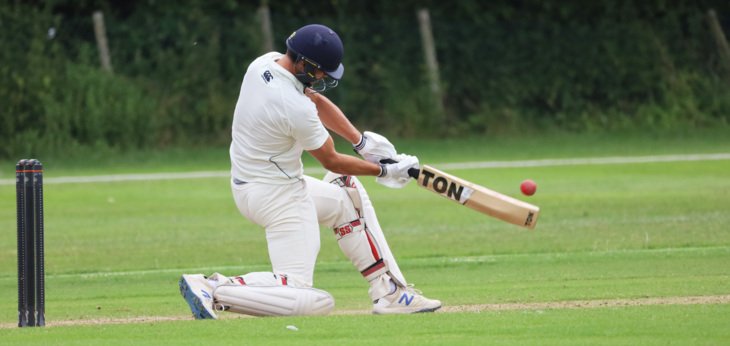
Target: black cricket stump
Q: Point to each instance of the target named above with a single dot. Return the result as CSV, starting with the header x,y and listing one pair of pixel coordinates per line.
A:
x,y
31,275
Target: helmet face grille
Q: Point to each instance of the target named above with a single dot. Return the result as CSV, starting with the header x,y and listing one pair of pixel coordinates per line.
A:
x,y
308,76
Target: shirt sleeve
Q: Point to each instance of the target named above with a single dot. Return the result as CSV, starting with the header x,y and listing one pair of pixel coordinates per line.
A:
x,y
307,129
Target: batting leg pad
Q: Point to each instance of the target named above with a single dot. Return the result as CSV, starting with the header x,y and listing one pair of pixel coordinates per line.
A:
x,y
362,239
273,300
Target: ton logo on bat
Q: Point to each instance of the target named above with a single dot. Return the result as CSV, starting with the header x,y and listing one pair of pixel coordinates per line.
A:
x,y
442,185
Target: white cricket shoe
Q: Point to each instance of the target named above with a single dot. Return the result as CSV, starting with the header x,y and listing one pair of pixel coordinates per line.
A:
x,y
198,292
405,300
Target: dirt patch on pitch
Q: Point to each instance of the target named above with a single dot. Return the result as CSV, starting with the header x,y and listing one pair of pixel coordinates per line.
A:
x,y
570,304
587,304
104,321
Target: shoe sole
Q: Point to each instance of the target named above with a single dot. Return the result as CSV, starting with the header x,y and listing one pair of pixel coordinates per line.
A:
x,y
196,305
407,312
428,310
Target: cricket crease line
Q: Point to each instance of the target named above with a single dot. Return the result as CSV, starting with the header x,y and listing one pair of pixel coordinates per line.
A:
x,y
611,160
471,308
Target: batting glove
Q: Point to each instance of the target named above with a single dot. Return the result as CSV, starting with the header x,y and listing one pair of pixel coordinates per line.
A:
x,y
395,175
374,147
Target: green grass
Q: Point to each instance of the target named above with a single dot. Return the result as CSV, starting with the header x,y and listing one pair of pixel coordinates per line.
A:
x,y
519,278
655,325
630,231
470,148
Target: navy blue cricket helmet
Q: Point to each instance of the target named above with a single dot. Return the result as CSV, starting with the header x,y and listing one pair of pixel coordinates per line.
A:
x,y
321,48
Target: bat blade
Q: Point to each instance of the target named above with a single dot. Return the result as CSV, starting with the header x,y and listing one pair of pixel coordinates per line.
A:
x,y
477,197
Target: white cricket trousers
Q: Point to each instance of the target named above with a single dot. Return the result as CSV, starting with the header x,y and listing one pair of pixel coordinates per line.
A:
x,y
291,215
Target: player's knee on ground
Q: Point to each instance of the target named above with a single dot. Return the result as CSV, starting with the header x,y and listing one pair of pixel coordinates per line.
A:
x,y
273,300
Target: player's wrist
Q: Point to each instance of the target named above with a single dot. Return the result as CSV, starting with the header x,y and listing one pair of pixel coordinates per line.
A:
x,y
360,144
383,171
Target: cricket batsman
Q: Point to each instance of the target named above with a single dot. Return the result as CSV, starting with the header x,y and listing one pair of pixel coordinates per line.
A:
x,y
280,113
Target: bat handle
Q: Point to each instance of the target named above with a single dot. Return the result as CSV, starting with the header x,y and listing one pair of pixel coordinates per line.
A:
x,y
413,172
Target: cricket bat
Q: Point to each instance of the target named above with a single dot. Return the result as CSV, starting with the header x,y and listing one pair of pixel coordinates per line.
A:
x,y
476,197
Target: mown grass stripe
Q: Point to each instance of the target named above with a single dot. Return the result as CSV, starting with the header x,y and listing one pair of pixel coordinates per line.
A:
x,y
446,166
470,308
435,260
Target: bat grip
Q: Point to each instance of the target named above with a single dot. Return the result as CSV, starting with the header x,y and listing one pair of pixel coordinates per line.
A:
x,y
413,172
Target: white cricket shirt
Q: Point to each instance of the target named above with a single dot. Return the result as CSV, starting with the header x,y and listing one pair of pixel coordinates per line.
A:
x,y
272,124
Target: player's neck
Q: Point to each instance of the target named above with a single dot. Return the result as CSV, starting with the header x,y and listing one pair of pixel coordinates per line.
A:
x,y
286,63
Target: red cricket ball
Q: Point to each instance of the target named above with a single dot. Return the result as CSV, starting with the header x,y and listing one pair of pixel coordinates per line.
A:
x,y
528,187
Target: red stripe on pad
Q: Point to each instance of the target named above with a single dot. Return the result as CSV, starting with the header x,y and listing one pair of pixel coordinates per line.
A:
x,y
373,248
372,269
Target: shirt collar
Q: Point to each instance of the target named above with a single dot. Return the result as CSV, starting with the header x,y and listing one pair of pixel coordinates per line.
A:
x,y
281,71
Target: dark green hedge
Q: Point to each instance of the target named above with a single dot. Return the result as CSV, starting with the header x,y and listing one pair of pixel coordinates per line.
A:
x,y
506,66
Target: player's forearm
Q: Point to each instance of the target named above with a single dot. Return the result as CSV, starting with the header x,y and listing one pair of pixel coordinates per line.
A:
x,y
334,119
350,165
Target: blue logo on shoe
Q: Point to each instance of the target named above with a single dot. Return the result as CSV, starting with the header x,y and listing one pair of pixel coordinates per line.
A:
x,y
205,294
406,298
